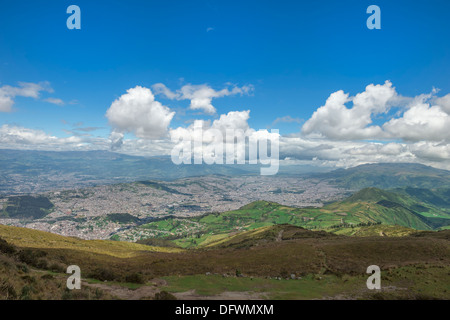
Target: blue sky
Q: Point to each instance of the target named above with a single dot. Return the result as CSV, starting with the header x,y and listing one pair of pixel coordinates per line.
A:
x,y
294,54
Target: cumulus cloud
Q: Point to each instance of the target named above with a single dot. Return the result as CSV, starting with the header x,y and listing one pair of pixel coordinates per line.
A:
x,y
421,122
335,121
424,118
234,120
444,103
25,89
200,95
225,140
138,112
338,134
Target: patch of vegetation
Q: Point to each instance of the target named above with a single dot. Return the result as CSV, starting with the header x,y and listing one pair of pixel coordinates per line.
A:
x,y
164,295
103,274
122,218
22,207
135,277
33,258
7,248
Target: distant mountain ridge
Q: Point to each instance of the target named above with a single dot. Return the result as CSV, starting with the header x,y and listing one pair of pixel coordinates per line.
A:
x,y
38,171
387,176
26,171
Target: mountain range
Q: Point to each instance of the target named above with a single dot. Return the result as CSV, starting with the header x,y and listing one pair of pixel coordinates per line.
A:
x,y
26,171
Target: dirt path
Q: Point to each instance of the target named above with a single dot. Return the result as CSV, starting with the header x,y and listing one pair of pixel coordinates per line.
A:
x,y
149,291
144,292
279,236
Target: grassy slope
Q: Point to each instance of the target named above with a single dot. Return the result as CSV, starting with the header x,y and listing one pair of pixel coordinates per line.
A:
x,y
276,251
263,251
29,238
368,206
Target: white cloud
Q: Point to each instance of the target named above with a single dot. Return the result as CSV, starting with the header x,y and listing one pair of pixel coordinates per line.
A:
x,y
56,101
200,95
335,135
421,122
6,103
212,136
25,138
235,120
444,103
138,112
232,120
346,153
25,89
116,139
160,88
335,121
433,152
424,118
286,119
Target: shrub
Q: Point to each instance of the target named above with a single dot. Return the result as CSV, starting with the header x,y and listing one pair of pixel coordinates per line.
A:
x,y
57,267
22,267
26,292
98,294
41,264
66,295
103,274
135,278
164,295
7,290
7,248
31,257
29,279
47,277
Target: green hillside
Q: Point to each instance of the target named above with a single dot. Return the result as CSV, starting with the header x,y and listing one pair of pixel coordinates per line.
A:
x,y
370,206
429,205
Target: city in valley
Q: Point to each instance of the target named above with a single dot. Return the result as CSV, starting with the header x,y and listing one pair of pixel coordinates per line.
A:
x,y
87,213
